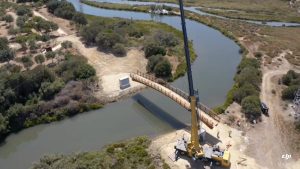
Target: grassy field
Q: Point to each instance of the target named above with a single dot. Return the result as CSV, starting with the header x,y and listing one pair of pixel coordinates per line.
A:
x,y
117,6
265,10
132,154
255,15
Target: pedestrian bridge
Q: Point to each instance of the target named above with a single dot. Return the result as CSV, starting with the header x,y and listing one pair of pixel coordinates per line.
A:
x,y
205,114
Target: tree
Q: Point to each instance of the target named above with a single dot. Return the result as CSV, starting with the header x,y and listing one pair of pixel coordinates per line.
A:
x,y
163,68
251,107
84,71
79,18
154,49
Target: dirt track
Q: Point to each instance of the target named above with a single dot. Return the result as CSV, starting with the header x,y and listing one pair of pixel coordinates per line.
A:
x,y
269,140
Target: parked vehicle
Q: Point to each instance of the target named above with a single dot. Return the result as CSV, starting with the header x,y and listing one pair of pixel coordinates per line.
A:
x,y
264,109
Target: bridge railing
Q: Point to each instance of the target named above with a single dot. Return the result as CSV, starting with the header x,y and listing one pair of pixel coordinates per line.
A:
x,y
181,93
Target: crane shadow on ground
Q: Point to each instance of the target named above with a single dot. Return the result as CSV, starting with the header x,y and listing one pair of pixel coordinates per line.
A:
x,y
158,112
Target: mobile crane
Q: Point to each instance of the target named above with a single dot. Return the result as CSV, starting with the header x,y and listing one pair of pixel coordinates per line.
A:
x,y
192,147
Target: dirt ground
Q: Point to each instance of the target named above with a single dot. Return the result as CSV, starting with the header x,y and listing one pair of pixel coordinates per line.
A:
x,y
273,137
109,68
238,143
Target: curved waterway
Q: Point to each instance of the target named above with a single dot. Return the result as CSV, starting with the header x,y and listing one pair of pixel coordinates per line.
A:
x,y
147,113
199,11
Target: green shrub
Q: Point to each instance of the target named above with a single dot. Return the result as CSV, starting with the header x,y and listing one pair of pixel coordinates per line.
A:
x,y
152,62
26,60
79,18
251,107
6,55
45,37
32,45
67,44
106,40
248,62
244,91
249,75
21,20
258,55
154,49
50,55
13,31
165,39
39,58
289,93
3,43
163,68
119,50
23,10
8,18
84,71
289,77
48,89
3,126
61,9
136,33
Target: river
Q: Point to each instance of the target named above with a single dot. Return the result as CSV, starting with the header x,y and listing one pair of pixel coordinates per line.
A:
x,y
200,12
147,113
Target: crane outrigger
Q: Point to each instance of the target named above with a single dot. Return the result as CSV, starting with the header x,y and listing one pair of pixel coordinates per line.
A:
x,y
192,147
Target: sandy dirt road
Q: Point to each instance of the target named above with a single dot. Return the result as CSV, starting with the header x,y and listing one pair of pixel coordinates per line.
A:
x,y
269,140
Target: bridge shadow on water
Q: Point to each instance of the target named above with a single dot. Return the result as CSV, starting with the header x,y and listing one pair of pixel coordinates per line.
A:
x,y
172,121
158,112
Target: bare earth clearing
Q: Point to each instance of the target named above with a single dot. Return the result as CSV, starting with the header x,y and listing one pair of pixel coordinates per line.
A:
x,y
109,68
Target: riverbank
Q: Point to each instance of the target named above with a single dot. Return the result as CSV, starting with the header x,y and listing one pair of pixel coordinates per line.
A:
x,y
126,154
268,10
